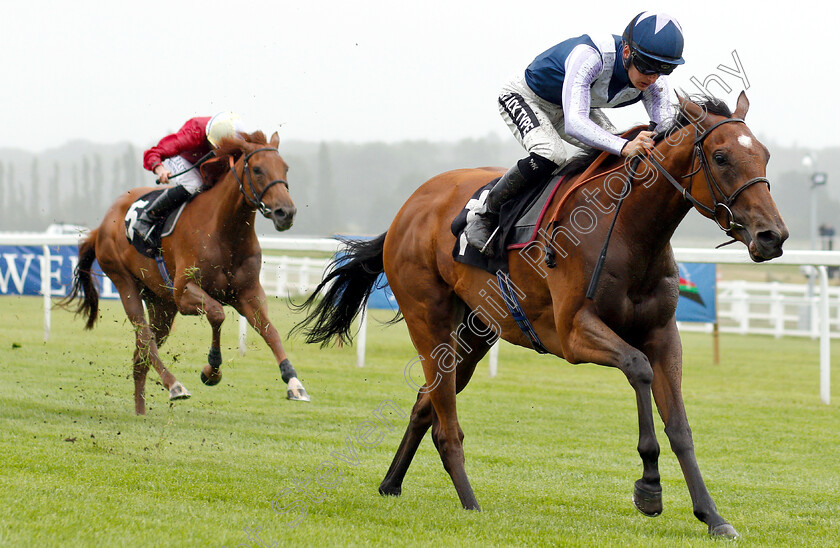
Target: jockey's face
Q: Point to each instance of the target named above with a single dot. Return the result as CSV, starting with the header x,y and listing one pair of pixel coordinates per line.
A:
x,y
637,79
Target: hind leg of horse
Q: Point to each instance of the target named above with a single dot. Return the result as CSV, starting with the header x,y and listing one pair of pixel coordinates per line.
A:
x,y
161,315
665,352
418,424
590,340
467,344
146,352
434,331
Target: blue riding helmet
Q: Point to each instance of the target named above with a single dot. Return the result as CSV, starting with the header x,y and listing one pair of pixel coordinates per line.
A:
x,y
656,42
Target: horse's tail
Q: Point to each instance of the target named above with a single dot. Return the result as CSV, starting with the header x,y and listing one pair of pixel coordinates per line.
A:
x,y
84,286
348,285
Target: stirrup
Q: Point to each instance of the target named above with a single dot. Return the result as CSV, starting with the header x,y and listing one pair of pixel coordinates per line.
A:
x,y
489,241
147,237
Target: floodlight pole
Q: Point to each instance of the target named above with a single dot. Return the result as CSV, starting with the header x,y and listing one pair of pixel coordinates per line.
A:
x,y
818,179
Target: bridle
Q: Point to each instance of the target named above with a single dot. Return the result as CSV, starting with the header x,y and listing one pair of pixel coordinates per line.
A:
x,y
254,199
725,203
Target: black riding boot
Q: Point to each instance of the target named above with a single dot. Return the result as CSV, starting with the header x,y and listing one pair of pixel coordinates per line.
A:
x,y
526,173
166,201
486,219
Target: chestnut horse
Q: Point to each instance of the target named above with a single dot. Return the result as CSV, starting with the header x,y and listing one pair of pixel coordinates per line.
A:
x,y
212,256
629,323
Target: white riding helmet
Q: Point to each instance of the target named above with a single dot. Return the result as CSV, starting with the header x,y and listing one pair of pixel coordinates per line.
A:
x,y
223,124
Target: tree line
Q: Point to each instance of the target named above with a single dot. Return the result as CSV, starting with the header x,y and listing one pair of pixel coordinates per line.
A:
x,y
338,187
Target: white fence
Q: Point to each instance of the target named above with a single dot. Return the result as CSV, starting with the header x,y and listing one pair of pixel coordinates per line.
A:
x,y
772,308
286,276
743,307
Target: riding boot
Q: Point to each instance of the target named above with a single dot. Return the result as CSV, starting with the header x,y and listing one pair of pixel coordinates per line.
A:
x,y
486,219
163,205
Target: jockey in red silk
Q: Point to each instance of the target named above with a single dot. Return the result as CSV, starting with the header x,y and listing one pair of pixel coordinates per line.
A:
x,y
560,96
176,154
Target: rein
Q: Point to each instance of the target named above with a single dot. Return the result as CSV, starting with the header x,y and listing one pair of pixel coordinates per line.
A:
x,y
599,265
200,161
254,199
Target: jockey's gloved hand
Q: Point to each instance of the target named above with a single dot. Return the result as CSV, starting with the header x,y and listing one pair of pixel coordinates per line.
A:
x,y
640,145
163,174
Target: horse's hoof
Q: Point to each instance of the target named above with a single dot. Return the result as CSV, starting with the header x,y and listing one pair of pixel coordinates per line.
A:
x,y
646,501
210,377
387,491
178,392
724,530
296,391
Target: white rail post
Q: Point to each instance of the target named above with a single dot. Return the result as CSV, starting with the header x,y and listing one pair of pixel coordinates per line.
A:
x,y
494,359
815,304
825,347
46,289
303,279
243,334
283,276
361,340
777,310
741,307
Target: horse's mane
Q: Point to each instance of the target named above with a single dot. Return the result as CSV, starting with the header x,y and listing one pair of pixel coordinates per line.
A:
x,y
587,155
229,146
709,104
213,170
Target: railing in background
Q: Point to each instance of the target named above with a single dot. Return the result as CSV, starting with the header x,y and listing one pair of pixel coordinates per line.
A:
x,y
772,308
819,259
742,310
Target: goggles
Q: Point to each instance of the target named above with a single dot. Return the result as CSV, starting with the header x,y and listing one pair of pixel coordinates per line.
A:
x,y
648,66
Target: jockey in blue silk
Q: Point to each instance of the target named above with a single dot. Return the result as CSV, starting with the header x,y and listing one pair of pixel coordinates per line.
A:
x,y
560,96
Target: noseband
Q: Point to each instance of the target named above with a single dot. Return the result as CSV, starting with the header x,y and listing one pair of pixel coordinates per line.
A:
x,y
254,199
725,203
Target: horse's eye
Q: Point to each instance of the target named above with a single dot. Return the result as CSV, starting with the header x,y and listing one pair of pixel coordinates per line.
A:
x,y
258,170
720,158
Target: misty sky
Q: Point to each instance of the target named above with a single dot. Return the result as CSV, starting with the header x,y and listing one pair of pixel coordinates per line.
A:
x,y
374,70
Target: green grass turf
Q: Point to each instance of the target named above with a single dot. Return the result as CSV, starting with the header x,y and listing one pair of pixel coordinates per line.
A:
x,y
551,448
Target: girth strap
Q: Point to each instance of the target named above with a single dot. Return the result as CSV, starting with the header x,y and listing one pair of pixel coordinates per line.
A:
x,y
167,280
509,296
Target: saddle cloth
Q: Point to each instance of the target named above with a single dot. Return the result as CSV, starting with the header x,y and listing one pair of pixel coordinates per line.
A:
x,y
151,248
519,220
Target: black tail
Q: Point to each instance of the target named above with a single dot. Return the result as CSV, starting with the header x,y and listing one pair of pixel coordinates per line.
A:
x,y
84,286
349,283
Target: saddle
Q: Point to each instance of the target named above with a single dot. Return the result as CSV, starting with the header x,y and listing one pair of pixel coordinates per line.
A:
x,y
521,217
150,248
519,221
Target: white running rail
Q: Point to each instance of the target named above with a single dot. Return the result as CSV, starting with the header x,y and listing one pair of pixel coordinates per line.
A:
x,y
744,307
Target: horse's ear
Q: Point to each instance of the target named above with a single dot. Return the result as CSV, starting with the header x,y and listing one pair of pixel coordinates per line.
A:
x,y
742,107
695,113
275,140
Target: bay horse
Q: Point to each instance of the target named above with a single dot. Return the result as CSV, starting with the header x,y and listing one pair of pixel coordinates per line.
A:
x,y
213,257
629,323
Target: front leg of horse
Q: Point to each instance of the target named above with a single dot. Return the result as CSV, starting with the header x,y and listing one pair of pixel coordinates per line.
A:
x,y
193,300
665,352
211,374
254,309
592,341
